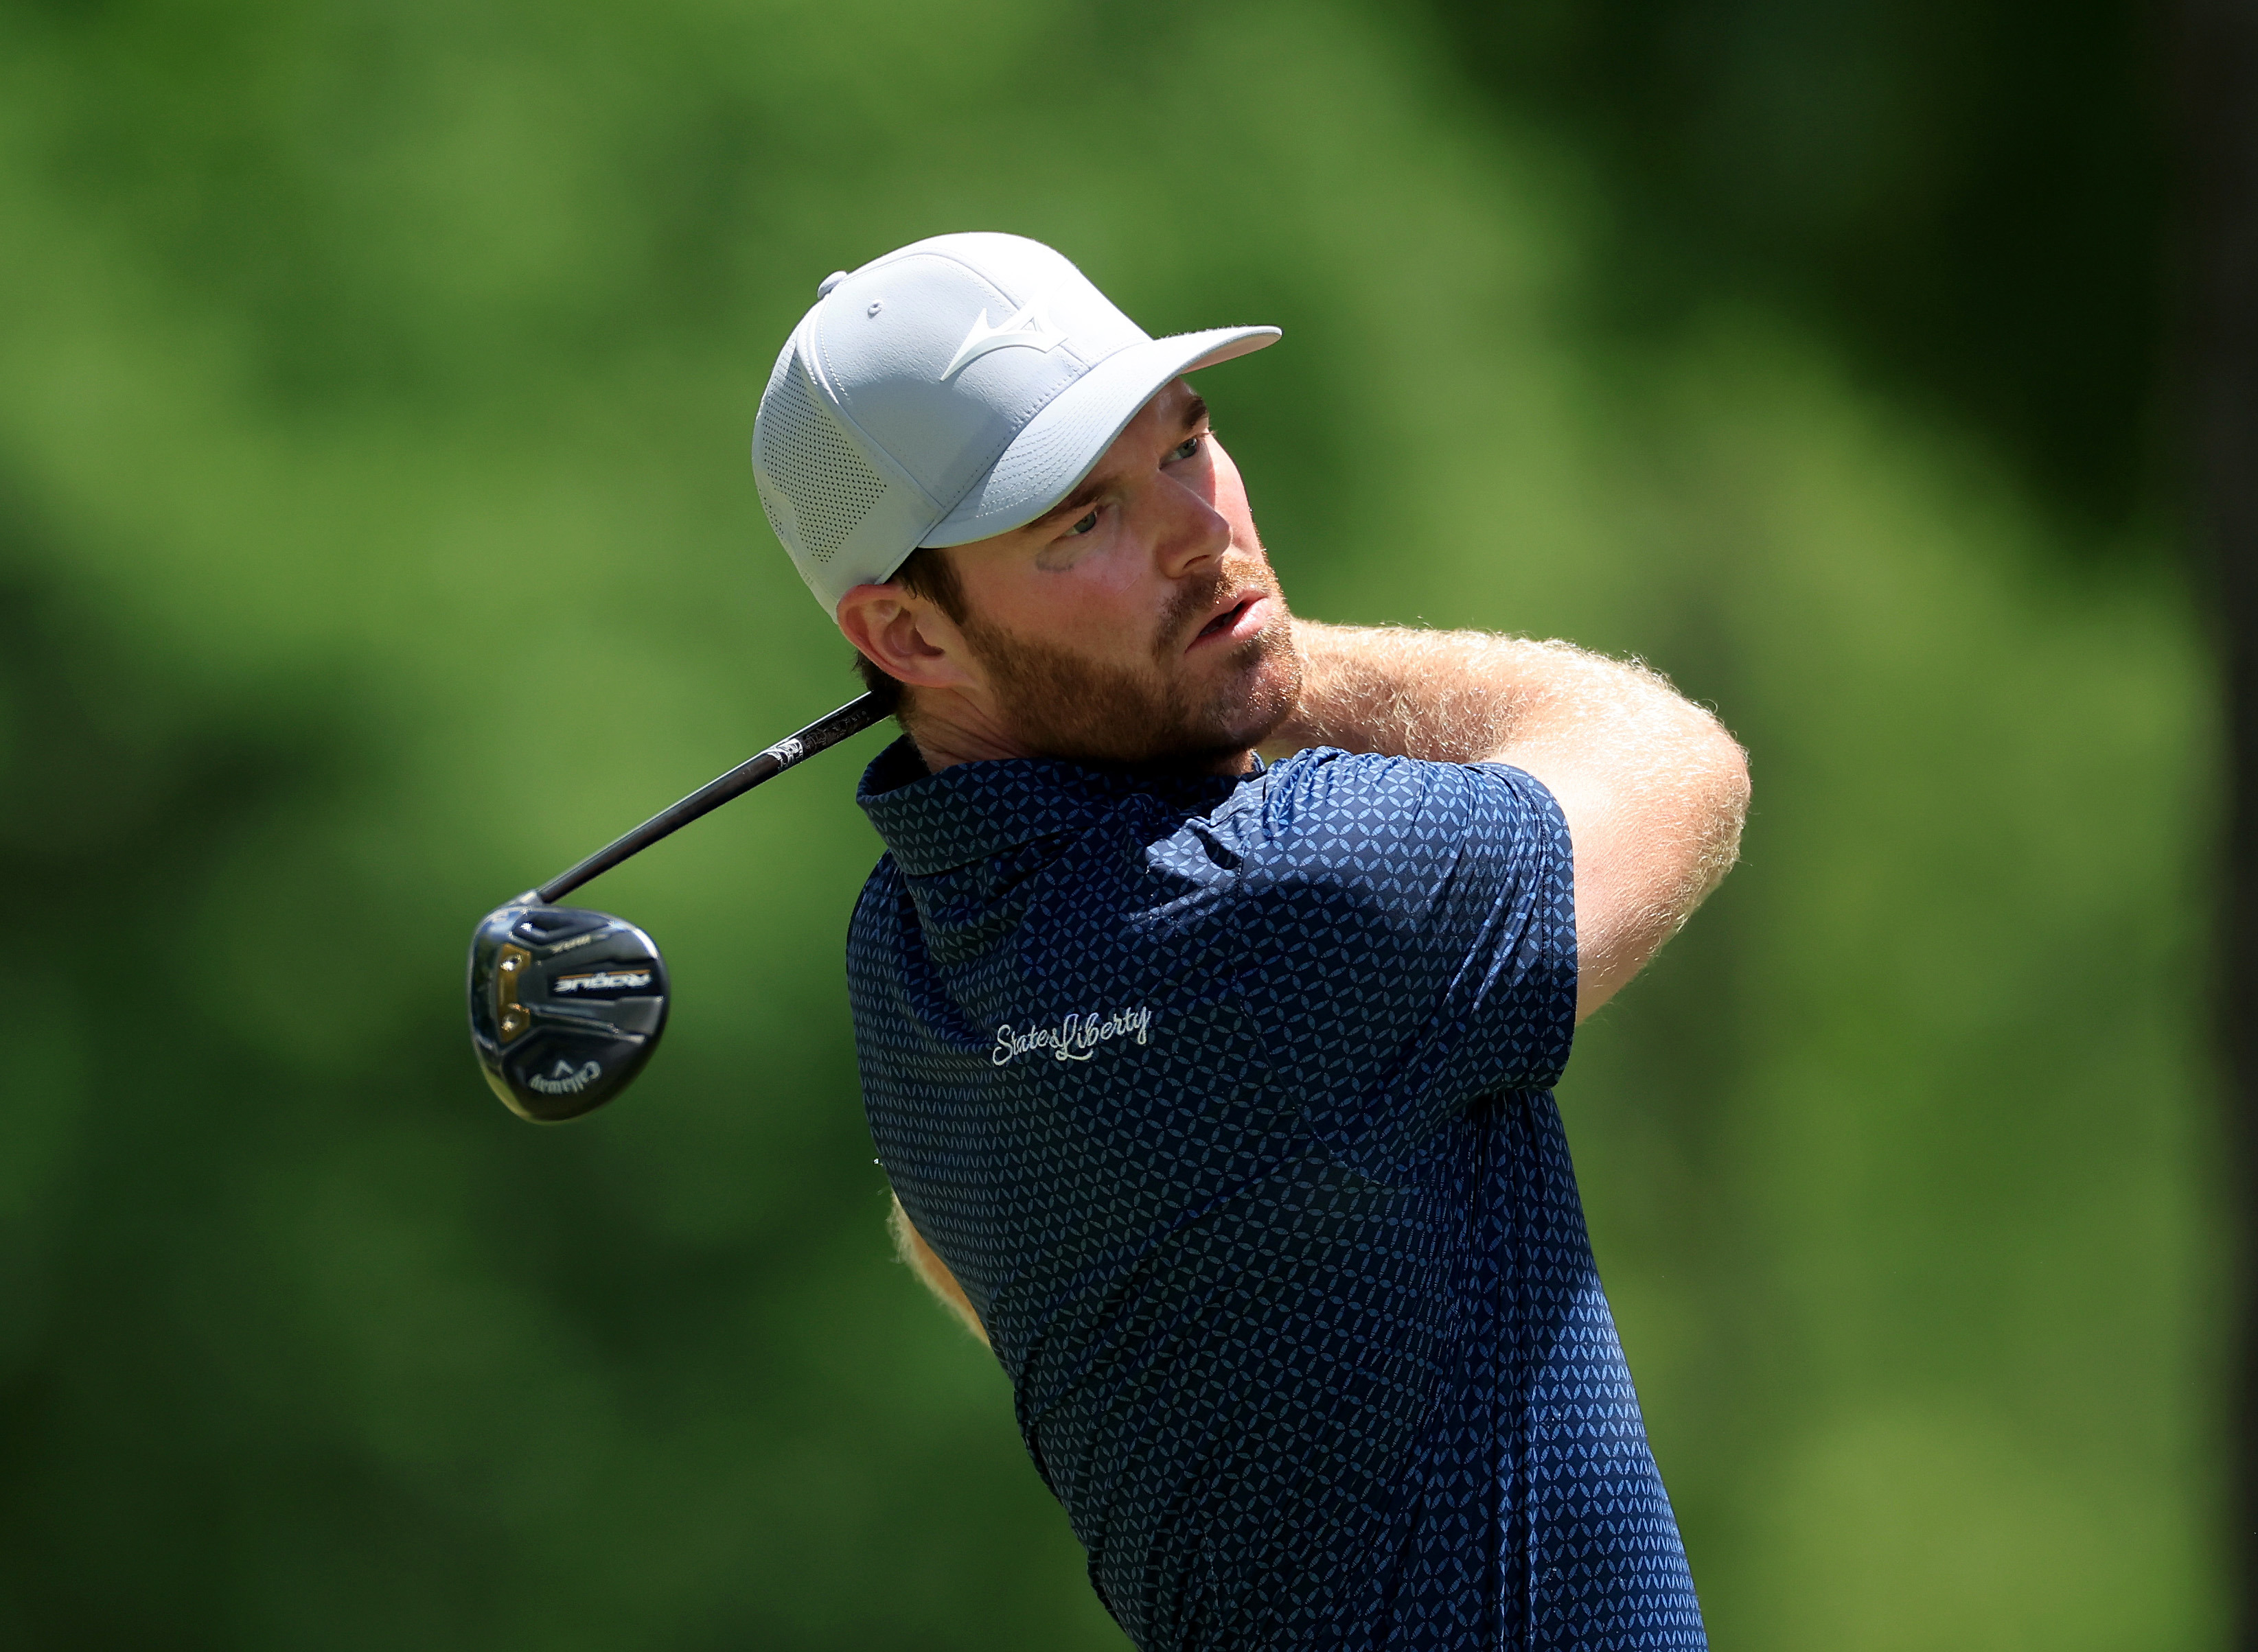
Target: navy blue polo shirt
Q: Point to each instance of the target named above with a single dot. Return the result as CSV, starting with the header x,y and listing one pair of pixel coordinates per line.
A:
x,y
1227,1100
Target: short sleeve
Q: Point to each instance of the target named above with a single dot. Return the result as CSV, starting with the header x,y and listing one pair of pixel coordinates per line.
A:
x,y
1417,924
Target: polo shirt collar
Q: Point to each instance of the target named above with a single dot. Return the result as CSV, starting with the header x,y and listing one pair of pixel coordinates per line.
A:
x,y
931,822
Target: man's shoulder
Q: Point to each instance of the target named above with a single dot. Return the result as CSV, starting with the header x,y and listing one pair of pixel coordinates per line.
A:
x,y
1325,798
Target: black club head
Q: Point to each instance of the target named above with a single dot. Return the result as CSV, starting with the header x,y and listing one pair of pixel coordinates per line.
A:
x,y
566,1005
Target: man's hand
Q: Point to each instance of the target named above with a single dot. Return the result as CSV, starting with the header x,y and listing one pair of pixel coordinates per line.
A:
x,y
910,1245
1653,788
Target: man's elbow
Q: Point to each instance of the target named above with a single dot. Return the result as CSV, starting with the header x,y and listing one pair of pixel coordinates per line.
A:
x,y
1636,893
1721,809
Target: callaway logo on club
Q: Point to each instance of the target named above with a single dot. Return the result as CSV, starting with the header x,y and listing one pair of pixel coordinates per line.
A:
x,y
564,1078
1027,325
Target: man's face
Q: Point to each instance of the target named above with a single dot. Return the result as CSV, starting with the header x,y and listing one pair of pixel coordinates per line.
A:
x,y
1140,619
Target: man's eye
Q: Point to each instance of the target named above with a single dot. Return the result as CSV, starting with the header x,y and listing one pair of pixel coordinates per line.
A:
x,y
1084,526
1184,450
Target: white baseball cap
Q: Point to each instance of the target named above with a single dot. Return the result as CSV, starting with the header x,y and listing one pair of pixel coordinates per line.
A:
x,y
957,389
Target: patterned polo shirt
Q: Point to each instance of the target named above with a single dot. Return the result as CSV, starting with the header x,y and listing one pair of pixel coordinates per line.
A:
x,y
1227,1100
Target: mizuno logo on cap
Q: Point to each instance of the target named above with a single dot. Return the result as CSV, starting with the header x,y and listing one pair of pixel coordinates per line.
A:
x,y
1027,325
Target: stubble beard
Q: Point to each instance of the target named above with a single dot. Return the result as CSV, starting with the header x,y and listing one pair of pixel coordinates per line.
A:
x,y
1062,704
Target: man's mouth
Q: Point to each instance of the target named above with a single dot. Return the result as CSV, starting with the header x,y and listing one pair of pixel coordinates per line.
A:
x,y
1232,620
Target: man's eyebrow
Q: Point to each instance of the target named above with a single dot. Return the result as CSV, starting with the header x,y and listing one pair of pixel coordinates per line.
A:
x,y
1075,503
1072,504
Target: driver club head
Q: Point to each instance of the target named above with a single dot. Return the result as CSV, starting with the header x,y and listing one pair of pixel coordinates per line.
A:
x,y
566,1005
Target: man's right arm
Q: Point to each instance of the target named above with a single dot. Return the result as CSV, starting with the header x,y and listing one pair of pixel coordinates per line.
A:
x,y
1652,787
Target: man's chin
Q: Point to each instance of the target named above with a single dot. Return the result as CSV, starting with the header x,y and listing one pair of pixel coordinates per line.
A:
x,y
1268,688
1061,706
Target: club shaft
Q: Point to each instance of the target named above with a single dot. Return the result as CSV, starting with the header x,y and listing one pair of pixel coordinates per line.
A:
x,y
850,718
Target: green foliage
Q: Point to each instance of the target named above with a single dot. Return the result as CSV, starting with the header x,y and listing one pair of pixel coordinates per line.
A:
x,y
1969,198
376,536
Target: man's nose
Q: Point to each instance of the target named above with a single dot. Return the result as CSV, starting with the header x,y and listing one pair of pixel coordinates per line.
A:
x,y
1192,530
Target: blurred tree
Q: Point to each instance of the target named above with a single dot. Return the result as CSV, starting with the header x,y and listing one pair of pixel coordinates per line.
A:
x,y
1969,197
2218,379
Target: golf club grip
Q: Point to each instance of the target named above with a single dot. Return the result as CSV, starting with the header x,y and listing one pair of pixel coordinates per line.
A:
x,y
850,718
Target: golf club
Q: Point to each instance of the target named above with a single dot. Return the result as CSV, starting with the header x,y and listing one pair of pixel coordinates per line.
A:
x,y
566,1004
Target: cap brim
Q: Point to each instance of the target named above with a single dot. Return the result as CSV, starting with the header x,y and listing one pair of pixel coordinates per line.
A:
x,y
1056,448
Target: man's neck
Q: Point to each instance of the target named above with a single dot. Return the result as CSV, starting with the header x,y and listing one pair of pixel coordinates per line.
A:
x,y
948,729
946,735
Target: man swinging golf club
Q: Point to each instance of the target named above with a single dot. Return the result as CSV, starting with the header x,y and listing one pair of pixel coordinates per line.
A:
x,y
1216,1096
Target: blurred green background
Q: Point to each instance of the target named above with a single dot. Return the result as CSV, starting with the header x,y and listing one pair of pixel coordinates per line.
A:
x,y
376,535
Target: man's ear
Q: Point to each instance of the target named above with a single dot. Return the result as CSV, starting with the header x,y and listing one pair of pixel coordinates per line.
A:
x,y
906,636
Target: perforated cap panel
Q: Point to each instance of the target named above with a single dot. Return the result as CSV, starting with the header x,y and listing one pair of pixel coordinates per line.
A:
x,y
827,487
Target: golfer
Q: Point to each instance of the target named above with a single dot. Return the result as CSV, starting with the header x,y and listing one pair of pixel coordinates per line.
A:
x,y
1215,1092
